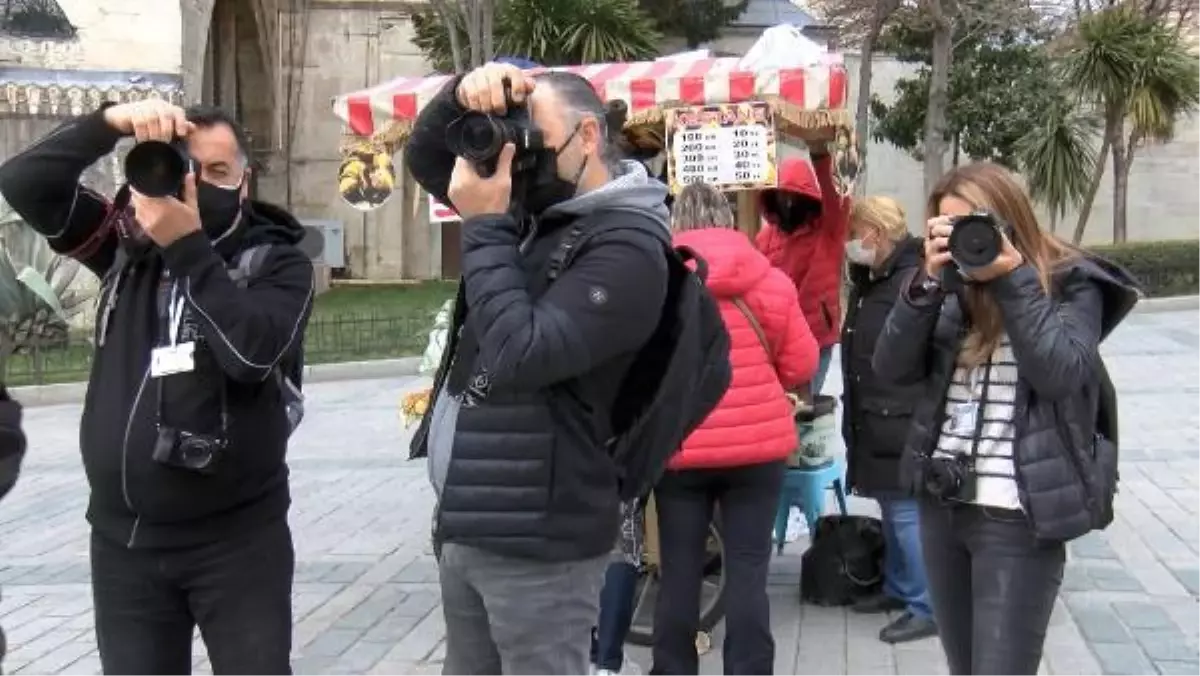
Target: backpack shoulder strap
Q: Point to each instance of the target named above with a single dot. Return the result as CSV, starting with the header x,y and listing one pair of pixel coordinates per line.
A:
x,y
248,263
584,230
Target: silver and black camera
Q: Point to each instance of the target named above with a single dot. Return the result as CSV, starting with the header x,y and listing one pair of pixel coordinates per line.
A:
x,y
199,453
949,478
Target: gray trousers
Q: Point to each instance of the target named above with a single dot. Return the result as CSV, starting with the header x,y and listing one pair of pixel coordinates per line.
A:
x,y
507,615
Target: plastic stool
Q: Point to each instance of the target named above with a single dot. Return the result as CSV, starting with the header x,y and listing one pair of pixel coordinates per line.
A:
x,y
805,487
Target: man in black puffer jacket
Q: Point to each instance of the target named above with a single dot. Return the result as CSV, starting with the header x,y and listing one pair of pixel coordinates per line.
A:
x,y
527,493
185,424
12,449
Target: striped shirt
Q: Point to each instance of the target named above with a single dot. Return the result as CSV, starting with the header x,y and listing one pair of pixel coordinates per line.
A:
x,y
975,409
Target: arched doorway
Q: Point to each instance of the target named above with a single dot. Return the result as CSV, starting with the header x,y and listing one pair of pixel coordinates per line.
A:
x,y
237,66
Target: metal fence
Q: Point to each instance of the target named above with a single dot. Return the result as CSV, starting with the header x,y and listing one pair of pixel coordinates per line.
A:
x,y
331,339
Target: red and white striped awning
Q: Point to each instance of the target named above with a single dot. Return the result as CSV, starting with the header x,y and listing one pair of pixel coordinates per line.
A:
x,y
641,85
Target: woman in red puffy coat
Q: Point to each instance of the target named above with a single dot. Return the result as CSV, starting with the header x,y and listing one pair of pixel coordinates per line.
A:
x,y
735,460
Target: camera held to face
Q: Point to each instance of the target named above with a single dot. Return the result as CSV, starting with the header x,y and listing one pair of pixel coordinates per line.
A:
x,y
157,169
479,137
976,241
948,478
185,450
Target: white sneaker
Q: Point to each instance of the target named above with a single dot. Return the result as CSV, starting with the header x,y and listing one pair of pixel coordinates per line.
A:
x,y
797,525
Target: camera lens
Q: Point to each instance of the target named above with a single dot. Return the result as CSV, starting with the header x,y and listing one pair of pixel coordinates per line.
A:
x,y
196,453
975,242
155,169
480,137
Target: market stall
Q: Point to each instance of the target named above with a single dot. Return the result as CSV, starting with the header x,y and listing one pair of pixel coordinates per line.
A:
x,y
717,122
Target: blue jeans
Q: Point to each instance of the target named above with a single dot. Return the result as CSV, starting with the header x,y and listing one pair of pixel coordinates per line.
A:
x,y
616,614
903,564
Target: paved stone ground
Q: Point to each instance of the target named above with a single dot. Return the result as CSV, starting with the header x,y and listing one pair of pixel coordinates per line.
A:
x,y
366,600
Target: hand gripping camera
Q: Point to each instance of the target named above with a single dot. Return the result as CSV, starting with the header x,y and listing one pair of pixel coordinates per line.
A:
x,y
479,137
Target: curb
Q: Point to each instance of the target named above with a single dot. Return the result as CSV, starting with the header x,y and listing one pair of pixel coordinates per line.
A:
x,y
72,393
1171,304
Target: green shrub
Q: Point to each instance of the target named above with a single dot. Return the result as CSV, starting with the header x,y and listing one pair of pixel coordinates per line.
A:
x,y
1167,268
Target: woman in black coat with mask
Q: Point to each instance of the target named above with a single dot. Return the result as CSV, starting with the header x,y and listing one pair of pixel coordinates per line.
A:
x,y
877,413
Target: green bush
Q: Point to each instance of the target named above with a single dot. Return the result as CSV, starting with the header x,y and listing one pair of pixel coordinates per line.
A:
x,y
1168,268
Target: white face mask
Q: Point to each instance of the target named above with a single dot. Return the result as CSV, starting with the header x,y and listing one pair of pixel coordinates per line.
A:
x,y
856,252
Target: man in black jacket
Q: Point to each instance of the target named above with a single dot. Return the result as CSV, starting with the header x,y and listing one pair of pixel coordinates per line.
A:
x,y
184,427
527,495
12,449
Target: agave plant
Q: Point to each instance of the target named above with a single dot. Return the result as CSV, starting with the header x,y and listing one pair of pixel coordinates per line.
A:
x,y
38,294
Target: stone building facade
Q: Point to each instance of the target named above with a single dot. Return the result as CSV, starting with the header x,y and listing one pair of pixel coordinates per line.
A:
x,y
278,63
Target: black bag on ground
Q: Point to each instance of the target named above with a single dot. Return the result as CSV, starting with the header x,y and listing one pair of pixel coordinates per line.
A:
x,y
844,562
678,376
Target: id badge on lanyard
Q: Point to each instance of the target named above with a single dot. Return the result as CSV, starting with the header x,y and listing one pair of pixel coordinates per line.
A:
x,y
965,416
175,357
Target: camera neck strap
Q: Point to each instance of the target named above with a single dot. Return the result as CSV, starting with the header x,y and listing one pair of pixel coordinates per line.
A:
x,y
171,310
979,400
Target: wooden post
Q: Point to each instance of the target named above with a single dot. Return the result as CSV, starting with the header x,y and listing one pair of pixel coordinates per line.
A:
x,y
747,212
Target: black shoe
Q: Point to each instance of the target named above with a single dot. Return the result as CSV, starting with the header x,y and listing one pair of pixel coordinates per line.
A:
x,y
880,603
908,627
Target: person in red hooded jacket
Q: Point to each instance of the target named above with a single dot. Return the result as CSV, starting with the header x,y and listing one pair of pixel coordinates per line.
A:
x,y
736,458
804,229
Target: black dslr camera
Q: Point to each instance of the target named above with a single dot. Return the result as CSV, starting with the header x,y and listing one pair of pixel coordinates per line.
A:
x,y
948,478
157,169
976,240
199,453
479,137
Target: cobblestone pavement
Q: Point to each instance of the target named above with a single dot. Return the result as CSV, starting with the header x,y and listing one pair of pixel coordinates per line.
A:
x,y
366,599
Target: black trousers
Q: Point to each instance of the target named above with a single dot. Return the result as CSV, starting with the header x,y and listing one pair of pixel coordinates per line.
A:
x,y
238,591
992,586
747,498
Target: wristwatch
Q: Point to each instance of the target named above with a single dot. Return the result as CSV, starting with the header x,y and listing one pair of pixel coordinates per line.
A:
x,y
927,287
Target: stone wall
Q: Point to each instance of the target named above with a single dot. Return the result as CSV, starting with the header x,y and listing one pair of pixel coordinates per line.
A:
x,y
113,35
350,45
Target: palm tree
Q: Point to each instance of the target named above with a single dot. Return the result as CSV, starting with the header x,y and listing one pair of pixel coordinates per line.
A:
x,y
550,32
1141,76
565,32
1058,159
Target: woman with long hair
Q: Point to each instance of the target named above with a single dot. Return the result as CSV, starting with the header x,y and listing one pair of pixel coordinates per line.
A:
x,y
876,413
733,462
1006,447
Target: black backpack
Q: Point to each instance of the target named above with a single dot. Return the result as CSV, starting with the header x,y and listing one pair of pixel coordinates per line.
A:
x,y
1105,453
678,376
289,372
844,562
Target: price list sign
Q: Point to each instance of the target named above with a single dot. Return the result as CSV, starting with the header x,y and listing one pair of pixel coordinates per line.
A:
x,y
729,146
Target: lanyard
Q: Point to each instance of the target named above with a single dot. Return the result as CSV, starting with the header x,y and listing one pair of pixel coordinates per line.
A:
x,y
174,314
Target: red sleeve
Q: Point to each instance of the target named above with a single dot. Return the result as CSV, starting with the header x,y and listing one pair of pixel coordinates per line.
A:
x,y
796,351
835,209
766,241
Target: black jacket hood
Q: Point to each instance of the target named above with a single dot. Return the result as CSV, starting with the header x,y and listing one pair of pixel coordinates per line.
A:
x,y
270,224
1120,290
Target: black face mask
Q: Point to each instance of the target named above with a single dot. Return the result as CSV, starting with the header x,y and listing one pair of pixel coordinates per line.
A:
x,y
219,208
547,188
795,215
